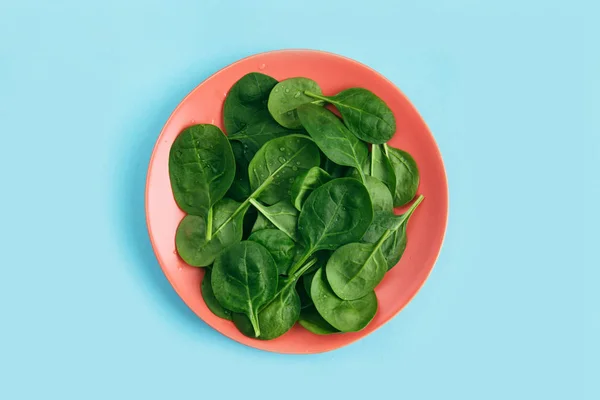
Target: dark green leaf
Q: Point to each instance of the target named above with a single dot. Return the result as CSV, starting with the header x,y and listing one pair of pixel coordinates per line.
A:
x,y
311,320
279,314
285,98
275,166
381,198
335,170
365,114
355,269
191,237
394,245
209,297
332,136
201,168
281,247
336,213
254,136
306,183
345,315
240,188
244,278
246,102
282,215
407,175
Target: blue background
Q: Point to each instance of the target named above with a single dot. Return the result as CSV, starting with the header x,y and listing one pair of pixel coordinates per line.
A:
x,y
510,90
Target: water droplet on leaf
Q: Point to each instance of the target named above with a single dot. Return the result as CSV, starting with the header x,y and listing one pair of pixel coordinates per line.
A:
x,y
282,149
281,159
297,94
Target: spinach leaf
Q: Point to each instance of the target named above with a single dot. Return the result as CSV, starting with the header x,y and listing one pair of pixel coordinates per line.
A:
x,y
201,168
407,175
335,170
287,96
209,297
395,227
275,166
311,320
246,102
381,198
305,300
262,223
344,315
306,183
281,247
355,269
282,215
365,114
281,313
336,213
378,166
244,278
254,136
240,188
332,137
190,238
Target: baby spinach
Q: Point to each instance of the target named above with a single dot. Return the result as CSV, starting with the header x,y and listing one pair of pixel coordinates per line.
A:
x,y
311,320
334,214
287,96
246,102
365,114
279,314
344,315
240,188
381,198
281,247
244,278
254,136
335,170
209,297
282,215
407,175
201,168
305,300
378,166
190,238
306,183
275,166
262,223
394,226
332,137
356,269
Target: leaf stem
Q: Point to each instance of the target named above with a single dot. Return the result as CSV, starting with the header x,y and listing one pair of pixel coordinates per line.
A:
x,y
300,262
262,210
406,216
254,320
209,224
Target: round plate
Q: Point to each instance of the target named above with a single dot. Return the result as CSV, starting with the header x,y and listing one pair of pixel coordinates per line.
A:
x,y
333,73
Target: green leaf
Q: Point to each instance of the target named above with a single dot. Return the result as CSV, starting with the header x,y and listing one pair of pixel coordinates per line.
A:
x,y
279,314
306,183
344,315
407,175
201,168
355,269
275,166
281,247
240,188
394,245
311,320
246,102
190,238
282,215
365,114
254,136
287,96
332,136
381,198
244,278
336,213
209,297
